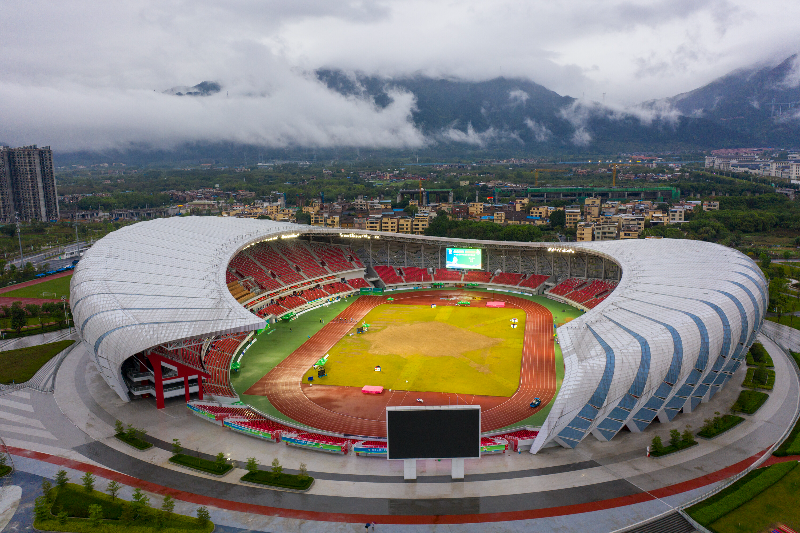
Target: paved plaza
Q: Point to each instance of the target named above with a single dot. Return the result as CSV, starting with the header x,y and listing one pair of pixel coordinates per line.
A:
x,y
599,486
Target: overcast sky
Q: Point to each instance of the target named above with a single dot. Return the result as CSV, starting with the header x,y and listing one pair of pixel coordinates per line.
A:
x,y
90,74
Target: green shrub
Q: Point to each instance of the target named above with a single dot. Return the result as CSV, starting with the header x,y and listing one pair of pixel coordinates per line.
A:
x,y
741,492
134,441
719,424
758,356
791,446
749,401
212,467
287,481
751,381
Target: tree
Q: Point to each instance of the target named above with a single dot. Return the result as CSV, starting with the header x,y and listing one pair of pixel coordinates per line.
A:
x,y
674,438
41,508
95,515
47,489
119,428
220,459
276,466
88,482
112,489
176,447
35,311
203,516
18,317
252,465
62,517
765,260
656,445
688,436
303,471
140,504
168,504
61,479
558,218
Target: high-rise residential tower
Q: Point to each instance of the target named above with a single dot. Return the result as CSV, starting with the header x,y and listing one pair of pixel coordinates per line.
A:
x,y
27,184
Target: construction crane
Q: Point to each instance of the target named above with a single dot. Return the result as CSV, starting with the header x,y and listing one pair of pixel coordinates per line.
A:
x,y
536,174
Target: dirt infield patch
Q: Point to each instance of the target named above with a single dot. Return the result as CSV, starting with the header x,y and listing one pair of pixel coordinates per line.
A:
x,y
407,340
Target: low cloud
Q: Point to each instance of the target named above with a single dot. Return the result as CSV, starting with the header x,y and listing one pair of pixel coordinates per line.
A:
x,y
581,137
518,97
298,111
540,132
471,137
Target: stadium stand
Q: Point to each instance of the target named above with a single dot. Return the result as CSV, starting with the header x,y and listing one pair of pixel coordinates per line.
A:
x,y
415,274
533,281
239,292
314,294
388,274
217,361
335,257
443,274
271,260
272,309
230,276
337,287
298,253
290,302
477,276
358,283
507,278
246,267
566,286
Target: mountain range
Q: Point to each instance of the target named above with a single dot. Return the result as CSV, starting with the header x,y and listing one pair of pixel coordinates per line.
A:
x,y
757,106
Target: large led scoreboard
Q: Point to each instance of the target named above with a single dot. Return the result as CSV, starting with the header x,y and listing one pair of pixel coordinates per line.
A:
x,y
433,432
466,258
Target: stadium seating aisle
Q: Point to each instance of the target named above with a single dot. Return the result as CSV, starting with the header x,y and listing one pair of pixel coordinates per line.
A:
x,y
271,260
335,257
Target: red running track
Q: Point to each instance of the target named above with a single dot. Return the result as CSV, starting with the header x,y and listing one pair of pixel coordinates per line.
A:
x,y
342,409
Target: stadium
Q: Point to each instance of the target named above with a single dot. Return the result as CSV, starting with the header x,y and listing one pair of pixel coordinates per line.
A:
x,y
612,335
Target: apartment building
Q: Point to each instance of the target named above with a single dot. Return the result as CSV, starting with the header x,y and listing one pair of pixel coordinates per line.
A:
x,y
585,231
573,216
27,184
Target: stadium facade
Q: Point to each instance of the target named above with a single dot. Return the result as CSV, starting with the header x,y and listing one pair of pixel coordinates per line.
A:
x,y
676,325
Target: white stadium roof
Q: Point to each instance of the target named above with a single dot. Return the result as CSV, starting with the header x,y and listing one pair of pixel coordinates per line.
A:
x,y
672,332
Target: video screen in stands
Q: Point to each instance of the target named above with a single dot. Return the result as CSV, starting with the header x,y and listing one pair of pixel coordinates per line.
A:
x,y
435,432
466,258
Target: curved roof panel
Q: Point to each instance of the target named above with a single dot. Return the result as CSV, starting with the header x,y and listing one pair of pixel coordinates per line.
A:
x,y
670,335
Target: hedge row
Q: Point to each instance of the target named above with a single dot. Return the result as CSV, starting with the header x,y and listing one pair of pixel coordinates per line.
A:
x,y
739,493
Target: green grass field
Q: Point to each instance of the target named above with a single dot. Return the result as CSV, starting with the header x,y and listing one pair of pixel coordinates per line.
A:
x,y
20,365
59,286
776,504
461,350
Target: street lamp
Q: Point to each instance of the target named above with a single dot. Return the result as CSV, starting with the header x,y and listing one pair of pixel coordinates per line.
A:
x,y
64,305
19,239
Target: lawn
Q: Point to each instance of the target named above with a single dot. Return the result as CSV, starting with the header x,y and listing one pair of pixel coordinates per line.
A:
x,y
461,350
749,401
749,380
775,503
59,286
20,365
75,501
212,467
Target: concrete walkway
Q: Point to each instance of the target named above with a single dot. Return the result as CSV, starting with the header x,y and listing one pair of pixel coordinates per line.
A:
x,y
596,487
